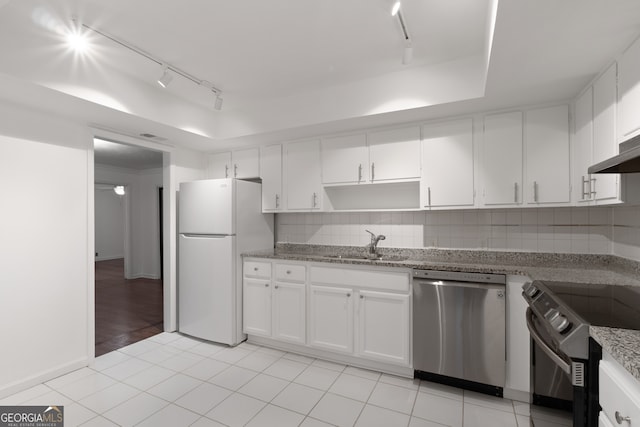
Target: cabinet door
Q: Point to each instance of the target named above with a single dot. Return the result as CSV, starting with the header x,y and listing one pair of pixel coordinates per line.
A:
x,y
256,312
629,90
246,163
447,150
502,159
603,421
582,144
271,174
394,154
289,312
383,327
219,165
547,155
331,318
345,159
605,186
302,175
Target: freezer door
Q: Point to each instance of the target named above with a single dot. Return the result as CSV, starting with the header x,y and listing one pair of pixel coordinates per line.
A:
x,y
207,287
206,207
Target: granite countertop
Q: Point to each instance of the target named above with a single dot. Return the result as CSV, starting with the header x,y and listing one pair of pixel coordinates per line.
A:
x,y
622,344
579,268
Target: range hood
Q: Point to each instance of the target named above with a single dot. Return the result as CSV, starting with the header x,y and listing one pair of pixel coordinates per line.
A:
x,y
628,161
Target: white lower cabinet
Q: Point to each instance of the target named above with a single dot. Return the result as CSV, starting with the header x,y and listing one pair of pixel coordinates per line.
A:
x,y
289,312
383,329
331,318
274,307
346,317
356,314
256,311
619,393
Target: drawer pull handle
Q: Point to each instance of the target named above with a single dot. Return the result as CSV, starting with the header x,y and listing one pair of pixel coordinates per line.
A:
x,y
276,286
348,295
255,268
266,285
620,418
361,296
288,271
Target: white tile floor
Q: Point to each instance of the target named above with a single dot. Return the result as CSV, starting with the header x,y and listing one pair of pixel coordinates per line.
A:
x,y
172,380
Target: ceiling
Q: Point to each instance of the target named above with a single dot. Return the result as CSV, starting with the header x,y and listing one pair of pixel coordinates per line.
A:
x,y
298,68
125,156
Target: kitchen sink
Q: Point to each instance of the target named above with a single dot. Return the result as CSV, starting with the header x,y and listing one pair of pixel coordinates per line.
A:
x,y
366,258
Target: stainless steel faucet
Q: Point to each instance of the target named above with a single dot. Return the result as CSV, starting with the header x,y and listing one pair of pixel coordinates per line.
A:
x,y
373,246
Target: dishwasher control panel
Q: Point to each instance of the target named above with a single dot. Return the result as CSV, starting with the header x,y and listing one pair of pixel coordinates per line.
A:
x,y
459,276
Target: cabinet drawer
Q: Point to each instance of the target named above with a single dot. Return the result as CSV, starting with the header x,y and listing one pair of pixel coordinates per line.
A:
x,y
290,272
370,279
257,269
619,392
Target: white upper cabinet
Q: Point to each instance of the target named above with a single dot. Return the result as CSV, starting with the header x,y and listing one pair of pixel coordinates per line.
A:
x,y
302,175
447,150
582,143
245,163
380,156
547,155
237,164
605,186
271,174
502,159
394,154
345,159
219,164
629,91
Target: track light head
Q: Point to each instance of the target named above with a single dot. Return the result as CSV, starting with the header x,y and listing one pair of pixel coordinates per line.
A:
x,y
407,56
218,102
395,8
166,78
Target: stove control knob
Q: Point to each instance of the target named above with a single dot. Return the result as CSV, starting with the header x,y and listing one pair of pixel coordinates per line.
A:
x,y
560,323
530,290
551,315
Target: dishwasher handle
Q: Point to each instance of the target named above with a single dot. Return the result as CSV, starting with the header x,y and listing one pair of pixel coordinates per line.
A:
x,y
452,283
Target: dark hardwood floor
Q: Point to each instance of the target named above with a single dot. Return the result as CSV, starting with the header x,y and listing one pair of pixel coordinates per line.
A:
x,y
127,311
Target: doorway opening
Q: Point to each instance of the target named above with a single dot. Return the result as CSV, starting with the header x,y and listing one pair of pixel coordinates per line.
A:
x,y
128,244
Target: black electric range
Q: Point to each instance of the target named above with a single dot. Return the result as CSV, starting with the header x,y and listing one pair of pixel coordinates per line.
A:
x,y
564,358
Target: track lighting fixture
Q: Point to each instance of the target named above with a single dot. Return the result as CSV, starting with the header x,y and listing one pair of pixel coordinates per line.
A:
x,y
119,190
407,55
166,78
168,69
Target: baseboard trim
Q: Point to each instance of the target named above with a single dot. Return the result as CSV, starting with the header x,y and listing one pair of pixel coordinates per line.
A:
x,y
42,377
356,361
109,258
519,395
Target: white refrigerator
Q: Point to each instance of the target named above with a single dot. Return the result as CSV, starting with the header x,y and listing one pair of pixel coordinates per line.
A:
x,y
218,219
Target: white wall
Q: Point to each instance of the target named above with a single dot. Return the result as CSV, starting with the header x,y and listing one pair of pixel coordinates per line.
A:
x,y
44,248
109,225
626,232
142,188
47,244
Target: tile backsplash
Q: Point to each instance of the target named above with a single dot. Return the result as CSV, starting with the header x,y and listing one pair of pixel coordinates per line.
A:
x,y
597,230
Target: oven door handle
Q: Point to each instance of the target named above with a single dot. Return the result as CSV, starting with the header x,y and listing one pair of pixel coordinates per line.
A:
x,y
544,346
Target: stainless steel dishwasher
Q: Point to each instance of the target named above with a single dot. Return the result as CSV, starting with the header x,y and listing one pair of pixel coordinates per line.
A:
x,y
459,329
